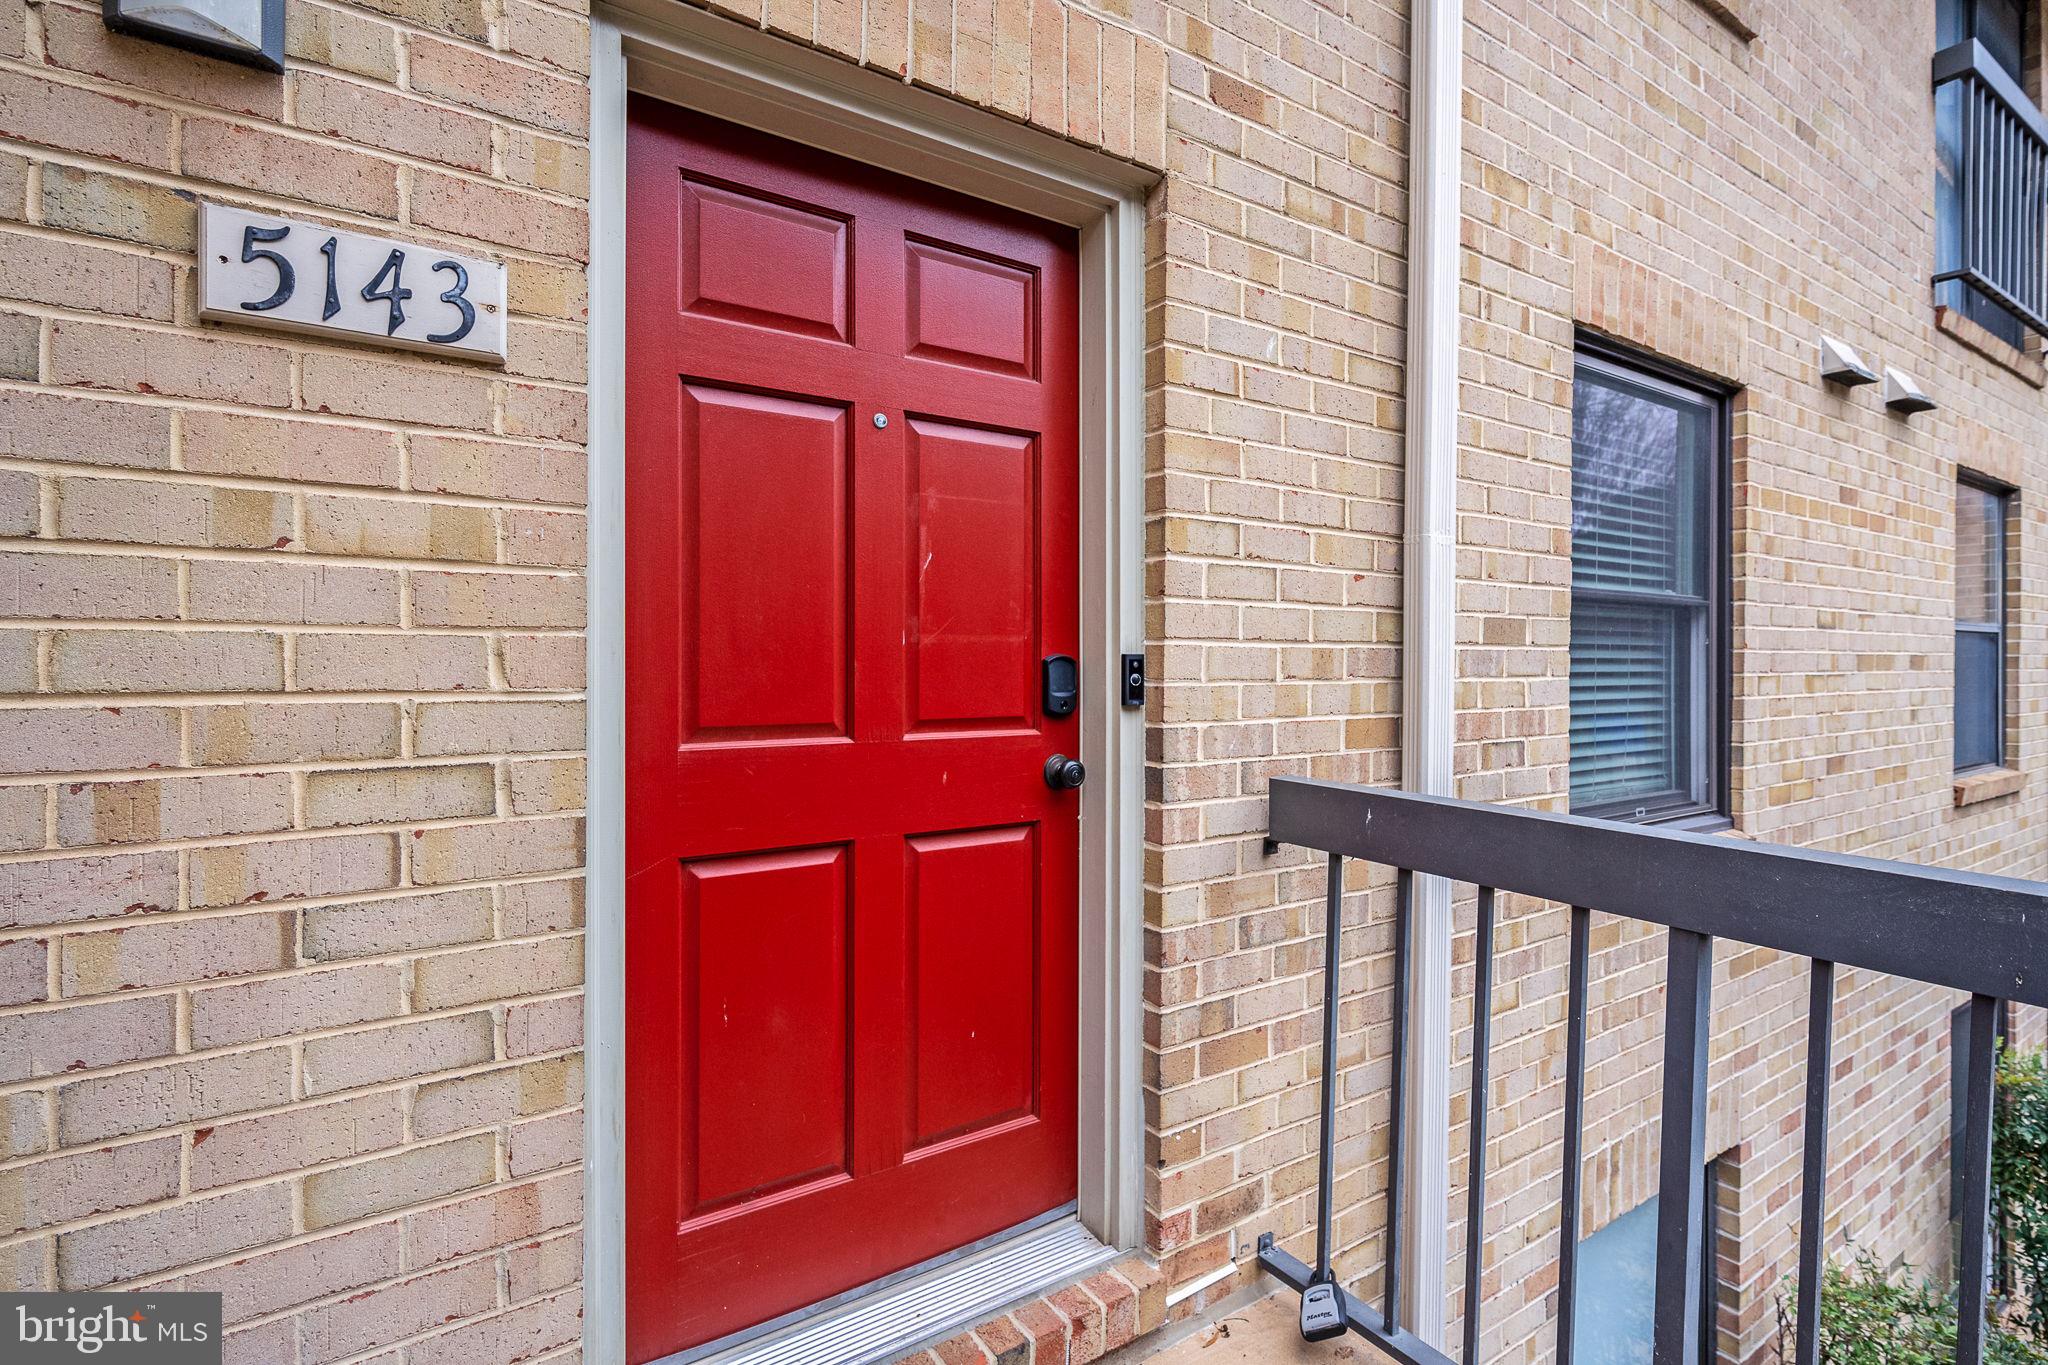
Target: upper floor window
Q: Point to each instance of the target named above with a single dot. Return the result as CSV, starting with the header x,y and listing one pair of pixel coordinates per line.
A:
x,y
1649,531
1980,624
1991,170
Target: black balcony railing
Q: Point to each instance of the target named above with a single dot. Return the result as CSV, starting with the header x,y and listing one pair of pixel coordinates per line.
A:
x,y
2000,153
1987,936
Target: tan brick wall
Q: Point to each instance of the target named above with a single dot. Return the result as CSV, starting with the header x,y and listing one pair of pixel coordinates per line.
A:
x,y
290,695
291,671
291,674
1642,172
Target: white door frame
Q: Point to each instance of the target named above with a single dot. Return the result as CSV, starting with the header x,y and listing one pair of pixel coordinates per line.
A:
x,y
699,60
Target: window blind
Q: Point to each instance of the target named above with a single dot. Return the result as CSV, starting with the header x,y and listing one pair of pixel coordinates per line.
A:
x,y
1642,452
1980,626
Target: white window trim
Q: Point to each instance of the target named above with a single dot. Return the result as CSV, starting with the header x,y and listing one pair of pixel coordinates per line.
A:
x,y
705,62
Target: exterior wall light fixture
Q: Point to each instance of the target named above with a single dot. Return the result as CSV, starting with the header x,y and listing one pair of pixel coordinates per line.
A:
x,y
1841,365
1903,396
246,31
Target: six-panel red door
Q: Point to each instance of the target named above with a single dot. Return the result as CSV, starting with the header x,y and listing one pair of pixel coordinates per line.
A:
x,y
851,538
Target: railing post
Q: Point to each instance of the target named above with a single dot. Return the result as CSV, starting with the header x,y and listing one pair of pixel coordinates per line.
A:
x,y
1397,1134
1813,1195
1682,1160
1974,1278
1475,1165
1326,1154
1577,980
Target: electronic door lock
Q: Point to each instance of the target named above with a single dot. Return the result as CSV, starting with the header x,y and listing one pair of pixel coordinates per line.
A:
x,y
1060,685
1063,774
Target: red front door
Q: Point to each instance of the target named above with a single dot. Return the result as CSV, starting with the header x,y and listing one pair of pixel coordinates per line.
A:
x,y
851,478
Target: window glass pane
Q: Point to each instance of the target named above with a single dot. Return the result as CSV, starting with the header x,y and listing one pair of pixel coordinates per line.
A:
x,y
1643,454
1978,660
1617,1291
1640,461
2001,26
1980,529
1951,22
1633,701
1948,194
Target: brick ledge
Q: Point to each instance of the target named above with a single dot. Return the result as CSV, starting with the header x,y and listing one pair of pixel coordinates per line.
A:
x,y
1729,17
2001,353
1987,784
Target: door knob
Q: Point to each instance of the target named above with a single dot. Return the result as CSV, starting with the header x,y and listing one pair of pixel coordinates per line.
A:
x,y
1063,773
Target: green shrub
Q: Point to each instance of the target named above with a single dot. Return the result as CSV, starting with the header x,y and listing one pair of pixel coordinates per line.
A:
x,y
1867,1318
1870,1318
2019,1175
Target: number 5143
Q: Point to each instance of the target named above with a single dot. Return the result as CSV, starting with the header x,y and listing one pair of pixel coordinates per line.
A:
x,y
386,286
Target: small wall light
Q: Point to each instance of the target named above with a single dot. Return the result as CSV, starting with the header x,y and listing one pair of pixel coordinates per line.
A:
x,y
246,31
1841,365
1903,396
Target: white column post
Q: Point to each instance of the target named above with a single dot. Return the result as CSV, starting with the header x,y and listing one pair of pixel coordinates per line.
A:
x,y
1429,620
604,1010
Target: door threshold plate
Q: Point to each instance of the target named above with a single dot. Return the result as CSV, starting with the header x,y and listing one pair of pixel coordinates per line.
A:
x,y
926,1304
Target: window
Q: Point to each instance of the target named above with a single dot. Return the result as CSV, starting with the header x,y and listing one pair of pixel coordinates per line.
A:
x,y
1991,149
2001,25
1615,1301
1649,576
1980,624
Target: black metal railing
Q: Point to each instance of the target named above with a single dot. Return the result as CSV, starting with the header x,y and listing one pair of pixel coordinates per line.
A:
x,y
2000,151
1987,936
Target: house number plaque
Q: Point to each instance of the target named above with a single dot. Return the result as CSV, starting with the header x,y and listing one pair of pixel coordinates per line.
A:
x,y
301,277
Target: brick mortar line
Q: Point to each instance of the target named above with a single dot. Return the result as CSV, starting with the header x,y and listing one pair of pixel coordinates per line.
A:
x,y
212,113
486,437
257,696
1318,84
562,1353
309,766
191,477
1210,518
300,1104
48,1085
1187,269
52,1083
402,25
364,1158
228,408
242,625
1317,233
412,1272
72,237
272,836
496,1129
400,765
194,327
102,701
114,850
120,701
378,1355
282,559
312,967
297,346
281,556
339,898
411,93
